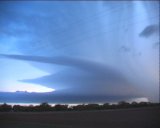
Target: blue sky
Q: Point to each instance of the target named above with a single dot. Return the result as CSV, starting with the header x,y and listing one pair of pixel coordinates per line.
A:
x,y
80,48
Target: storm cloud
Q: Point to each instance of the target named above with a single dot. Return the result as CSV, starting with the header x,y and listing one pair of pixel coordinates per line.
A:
x,y
149,30
80,48
81,76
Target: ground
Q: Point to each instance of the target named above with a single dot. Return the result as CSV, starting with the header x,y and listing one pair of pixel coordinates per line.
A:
x,y
120,118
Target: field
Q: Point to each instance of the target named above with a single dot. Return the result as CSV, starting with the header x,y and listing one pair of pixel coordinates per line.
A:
x,y
120,118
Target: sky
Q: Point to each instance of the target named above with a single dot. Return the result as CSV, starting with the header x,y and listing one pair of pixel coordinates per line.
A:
x,y
93,49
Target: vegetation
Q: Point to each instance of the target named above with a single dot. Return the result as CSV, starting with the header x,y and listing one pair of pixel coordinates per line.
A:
x,y
46,107
5,108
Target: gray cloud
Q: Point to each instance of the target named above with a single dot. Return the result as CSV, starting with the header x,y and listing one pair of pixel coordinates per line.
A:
x,y
55,97
83,64
125,49
81,77
149,30
156,45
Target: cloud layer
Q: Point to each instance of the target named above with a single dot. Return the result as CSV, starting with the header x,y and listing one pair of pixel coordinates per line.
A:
x,y
150,30
81,77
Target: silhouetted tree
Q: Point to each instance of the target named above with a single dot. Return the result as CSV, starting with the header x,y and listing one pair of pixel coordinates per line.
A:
x,y
45,107
106,106
18,108
143,104
123,104
79,107
92,107
5,108
59,107
134,104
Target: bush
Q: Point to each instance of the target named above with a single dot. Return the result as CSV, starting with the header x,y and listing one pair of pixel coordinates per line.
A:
x,y
92,106
17,108
106,106
59,107
44,107
5,108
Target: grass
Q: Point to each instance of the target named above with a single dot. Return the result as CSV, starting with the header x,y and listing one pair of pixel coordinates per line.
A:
x,y
122,118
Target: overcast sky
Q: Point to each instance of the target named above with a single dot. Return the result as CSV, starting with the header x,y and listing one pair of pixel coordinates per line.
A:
x,y
80,48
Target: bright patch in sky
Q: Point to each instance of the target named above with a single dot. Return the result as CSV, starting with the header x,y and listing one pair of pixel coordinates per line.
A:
x,y
16,71
20,86
141,99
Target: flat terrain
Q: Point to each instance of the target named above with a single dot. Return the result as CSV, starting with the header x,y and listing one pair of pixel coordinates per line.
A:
x,y
122,118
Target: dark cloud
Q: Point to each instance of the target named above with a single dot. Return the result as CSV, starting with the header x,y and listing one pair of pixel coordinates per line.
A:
x,y
149,30
83,64
81,76
55,97
84,83
125,49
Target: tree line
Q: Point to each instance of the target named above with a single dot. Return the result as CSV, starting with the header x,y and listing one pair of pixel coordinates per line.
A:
x,y
81,107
